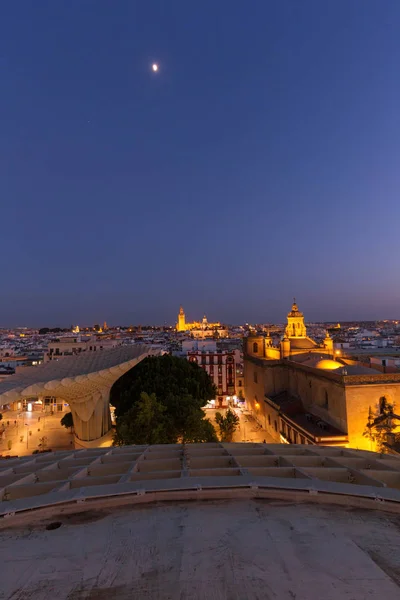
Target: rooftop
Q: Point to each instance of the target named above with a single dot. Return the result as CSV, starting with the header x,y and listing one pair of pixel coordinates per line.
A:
x,y
292,408
301,343
236,548
279,521
67,477
33,380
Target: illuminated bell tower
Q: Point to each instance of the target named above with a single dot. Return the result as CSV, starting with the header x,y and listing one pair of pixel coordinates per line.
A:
x,y
295,327
181,325
328,343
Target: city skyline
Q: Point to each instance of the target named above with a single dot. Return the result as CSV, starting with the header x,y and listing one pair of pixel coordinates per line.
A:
x,y
258,161
89,324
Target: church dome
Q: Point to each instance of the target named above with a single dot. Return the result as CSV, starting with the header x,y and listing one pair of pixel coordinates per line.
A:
x,y
328,365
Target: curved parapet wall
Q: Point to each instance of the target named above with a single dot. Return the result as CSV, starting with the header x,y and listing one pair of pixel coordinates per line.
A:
x,y
84,381
137,474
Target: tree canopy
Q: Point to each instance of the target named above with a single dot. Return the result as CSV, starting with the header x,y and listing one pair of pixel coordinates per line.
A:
x,y
168,377
67,421
176,386
144,423
227,424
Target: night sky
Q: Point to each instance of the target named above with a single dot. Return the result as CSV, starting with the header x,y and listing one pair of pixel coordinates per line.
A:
x,y
261,162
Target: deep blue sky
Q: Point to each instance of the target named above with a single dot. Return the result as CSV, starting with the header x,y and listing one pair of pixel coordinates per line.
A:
x,y
262,161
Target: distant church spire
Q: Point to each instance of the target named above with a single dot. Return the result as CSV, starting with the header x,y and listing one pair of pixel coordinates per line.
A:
x,y
181,325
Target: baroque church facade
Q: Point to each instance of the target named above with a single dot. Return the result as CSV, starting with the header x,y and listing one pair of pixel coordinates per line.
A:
x,y
301,394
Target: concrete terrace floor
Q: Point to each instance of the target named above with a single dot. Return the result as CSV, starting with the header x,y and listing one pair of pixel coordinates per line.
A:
x,y
213,550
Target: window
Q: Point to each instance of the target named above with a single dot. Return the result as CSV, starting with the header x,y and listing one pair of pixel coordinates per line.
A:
x,y
326,400
302,439
276,426
255,377
255,348
269,419
240,383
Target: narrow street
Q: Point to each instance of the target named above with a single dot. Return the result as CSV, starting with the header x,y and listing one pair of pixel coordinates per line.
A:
x,y
248,431
26,429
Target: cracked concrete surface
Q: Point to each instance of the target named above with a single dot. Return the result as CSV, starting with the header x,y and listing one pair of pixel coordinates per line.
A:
x,y
215,550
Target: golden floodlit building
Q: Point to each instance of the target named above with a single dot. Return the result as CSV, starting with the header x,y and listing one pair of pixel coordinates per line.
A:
x,y
302,394
199,329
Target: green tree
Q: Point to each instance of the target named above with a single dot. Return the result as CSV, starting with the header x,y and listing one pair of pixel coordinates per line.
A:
x,y
180,386
227,424
144,423
67,421
203,432
167,377
191,424
380,429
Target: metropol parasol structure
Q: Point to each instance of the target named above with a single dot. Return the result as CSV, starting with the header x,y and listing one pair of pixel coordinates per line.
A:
x,y
84,381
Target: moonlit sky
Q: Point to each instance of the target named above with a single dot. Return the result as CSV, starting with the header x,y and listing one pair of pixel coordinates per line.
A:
x,y
261,162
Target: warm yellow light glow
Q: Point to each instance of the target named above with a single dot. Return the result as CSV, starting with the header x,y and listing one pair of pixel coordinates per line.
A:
x,y
257,405
155,67
329,365
337,352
